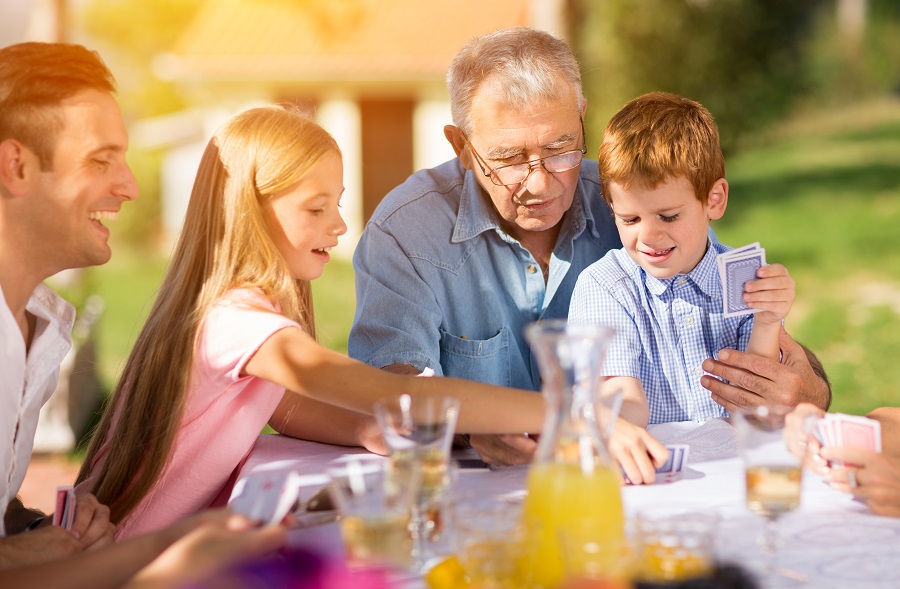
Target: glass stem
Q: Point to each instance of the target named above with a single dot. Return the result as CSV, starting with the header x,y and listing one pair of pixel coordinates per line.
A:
x,y
769,542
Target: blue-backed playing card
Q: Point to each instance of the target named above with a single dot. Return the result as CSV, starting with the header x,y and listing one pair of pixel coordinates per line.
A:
x,y
736,267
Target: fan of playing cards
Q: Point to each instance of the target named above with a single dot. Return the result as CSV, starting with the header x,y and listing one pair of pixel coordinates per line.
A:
x,y
839,429
736,267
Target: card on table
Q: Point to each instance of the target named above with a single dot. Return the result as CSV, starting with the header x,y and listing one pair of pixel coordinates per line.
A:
x,y
671,470
737,267
65,507
267,496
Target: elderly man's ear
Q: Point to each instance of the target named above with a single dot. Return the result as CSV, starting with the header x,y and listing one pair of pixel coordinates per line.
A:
x,y
454,136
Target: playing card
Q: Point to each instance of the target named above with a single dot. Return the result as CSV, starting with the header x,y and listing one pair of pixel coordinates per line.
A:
x,y
678,454
61,494
735,270
856,431
69,517
267,496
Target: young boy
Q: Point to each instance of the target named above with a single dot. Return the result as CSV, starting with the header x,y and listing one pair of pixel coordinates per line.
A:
x,y
663,174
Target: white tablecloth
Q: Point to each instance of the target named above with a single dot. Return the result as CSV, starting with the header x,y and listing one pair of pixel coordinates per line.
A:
x,y
831,538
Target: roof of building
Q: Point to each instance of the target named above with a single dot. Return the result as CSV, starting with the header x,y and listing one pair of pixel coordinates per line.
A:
x,y
334,40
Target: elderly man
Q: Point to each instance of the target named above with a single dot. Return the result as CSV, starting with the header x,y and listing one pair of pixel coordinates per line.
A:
x,y
459,258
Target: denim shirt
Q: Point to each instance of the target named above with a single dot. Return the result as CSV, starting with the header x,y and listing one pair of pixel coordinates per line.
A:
x,y
440,284
665,329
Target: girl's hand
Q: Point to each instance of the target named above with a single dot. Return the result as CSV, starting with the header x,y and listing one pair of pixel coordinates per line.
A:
x,y
772,291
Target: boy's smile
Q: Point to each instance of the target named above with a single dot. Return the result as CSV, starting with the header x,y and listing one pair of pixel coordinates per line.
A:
x,y
665,229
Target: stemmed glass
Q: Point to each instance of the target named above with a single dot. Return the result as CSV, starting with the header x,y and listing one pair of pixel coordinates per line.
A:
x,y
774,476
419,433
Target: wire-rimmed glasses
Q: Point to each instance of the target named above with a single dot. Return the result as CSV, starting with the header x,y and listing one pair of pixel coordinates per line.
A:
x,y
514,174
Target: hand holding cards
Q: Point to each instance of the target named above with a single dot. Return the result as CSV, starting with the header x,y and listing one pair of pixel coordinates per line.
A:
x,y
671,470
736,268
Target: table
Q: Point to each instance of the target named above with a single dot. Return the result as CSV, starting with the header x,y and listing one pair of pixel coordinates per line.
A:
x,y
831,538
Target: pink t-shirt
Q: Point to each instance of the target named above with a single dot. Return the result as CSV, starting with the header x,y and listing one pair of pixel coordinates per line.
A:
x,y
224,414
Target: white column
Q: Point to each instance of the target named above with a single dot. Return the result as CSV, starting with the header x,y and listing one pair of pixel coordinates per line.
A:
x,y
430,147
341,117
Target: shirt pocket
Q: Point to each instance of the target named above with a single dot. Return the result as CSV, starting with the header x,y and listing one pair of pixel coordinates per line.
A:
x,y
484,360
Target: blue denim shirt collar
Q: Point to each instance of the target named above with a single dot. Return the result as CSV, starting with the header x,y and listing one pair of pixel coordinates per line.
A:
x,y
704,275
477,214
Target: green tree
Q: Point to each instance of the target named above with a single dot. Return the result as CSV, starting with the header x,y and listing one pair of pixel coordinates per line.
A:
x,y
743,59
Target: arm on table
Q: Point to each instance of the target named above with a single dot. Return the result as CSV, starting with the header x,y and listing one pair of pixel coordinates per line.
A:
x,y
308,419
292,359
747,380
496,449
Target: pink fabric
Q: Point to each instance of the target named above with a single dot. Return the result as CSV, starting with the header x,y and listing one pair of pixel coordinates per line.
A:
x,y
225,413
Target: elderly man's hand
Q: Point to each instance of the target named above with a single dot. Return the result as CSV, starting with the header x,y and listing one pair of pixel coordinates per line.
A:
x,y
504,450
747,380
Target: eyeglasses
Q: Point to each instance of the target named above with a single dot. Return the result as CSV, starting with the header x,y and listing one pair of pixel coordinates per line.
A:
x,y
512,174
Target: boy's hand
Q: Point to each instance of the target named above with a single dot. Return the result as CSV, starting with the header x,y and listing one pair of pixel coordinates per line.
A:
x,y
772,291
637,452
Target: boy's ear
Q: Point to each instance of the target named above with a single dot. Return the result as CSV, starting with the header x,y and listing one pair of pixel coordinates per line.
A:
x,y
717,199
454,136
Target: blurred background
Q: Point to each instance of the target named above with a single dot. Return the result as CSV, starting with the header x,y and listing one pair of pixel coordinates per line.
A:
x,y
806,94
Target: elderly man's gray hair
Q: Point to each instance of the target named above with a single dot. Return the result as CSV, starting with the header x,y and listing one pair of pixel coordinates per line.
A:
x,y
528,63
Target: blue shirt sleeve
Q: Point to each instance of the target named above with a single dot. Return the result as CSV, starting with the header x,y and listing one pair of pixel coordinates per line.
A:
x,y
397,316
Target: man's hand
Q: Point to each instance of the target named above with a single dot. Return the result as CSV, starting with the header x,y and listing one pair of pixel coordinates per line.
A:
x,y
637,452
504,450
44,544
92,527
749,380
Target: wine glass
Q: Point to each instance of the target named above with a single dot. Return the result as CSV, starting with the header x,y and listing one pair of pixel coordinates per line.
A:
x,y
774,476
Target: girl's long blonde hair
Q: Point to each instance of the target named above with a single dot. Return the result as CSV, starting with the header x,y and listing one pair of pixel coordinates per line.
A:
x,y
224,244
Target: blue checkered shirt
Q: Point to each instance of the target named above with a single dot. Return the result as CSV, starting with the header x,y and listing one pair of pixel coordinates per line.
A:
x,y
665,329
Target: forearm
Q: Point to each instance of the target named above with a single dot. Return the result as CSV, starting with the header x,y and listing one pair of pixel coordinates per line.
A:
x,y
764,340
308,419
634,409
18,516
293,360
890,429
109,567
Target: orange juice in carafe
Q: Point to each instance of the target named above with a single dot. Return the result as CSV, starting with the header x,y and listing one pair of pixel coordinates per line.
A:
x,y
561,496
572,482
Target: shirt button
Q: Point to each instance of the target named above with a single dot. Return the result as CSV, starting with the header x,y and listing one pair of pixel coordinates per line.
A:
x,y
681,281
532,268
689,320
698,371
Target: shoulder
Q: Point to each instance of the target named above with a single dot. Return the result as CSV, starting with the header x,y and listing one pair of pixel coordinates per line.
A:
x,y
424,193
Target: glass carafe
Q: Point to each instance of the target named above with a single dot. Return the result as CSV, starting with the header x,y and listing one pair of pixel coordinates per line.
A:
x,y
572,483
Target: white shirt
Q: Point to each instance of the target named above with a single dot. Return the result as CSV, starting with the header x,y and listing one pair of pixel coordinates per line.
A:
x,y
27,382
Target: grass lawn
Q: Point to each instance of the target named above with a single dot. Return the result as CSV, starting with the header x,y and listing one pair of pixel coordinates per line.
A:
x,y
821,194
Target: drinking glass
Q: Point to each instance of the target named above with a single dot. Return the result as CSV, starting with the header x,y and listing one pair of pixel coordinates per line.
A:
x,y
773,475
375,504
419,433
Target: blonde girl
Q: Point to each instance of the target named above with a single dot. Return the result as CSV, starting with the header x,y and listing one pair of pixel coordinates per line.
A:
x,y
232,329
